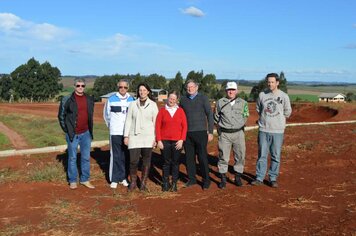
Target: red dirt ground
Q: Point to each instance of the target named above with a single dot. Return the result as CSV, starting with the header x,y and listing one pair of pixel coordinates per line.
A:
x,y
317,193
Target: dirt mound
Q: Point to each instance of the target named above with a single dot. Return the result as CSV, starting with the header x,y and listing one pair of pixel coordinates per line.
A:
x,y
307,112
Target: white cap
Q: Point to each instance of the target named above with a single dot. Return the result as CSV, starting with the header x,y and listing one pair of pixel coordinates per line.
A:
x,y
231,85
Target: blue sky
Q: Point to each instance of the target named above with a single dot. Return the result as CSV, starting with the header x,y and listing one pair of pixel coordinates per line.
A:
x,y
310,40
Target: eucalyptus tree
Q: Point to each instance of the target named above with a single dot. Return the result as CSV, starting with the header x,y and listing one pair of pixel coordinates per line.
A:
x,y
36,82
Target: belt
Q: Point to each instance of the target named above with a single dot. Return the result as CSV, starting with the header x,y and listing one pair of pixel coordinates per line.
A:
x,y
224,130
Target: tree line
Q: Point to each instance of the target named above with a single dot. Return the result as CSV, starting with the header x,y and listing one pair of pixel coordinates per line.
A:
x,y
35,82
208,84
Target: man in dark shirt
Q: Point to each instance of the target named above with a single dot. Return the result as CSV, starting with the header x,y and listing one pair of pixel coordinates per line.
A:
x,y
200,117
75,116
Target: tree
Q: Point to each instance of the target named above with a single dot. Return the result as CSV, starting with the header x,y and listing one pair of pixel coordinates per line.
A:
x,y
283,82
350,97
262,85
255,91
5,87
242,95
135,81
36,82
47,86
104,85
177,83
156,81
207,83
196,76
221,93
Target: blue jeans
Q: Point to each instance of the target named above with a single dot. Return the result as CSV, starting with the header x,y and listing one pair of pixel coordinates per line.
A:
x,y
269,143
84,141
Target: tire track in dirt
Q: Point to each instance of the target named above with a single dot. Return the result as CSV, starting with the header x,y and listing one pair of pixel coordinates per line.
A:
x,y
16,140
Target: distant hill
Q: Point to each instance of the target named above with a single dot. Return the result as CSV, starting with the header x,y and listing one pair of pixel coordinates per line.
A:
x,y
67,80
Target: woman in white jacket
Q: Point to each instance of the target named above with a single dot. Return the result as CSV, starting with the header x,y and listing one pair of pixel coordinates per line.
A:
x,y
139,133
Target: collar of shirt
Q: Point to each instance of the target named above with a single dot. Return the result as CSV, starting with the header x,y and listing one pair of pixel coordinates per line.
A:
x,y
122,97
192,96
171,110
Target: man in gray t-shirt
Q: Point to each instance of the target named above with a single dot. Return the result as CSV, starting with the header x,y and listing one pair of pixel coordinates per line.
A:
x,y
273,107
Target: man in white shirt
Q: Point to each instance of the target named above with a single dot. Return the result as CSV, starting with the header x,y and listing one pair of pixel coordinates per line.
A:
x,y
115,111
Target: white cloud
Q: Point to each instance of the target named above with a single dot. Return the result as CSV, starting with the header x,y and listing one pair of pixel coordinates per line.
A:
x,y
193,11
118,45
9,22
48,32
15,27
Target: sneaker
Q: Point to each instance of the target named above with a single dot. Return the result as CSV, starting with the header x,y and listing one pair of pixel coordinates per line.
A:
x,y
274,184
87,184
73,186
124,183
190,183
113,185
256,183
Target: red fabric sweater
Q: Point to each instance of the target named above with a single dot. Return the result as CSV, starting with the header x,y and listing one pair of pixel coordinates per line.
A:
x,y
82,118
171,128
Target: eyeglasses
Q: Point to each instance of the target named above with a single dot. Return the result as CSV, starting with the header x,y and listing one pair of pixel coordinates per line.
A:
x,y
120,87
80,85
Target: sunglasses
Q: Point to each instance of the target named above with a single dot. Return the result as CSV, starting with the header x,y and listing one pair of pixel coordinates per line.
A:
x,y
120,87
80,85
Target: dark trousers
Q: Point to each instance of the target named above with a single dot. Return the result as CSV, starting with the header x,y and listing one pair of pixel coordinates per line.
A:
x,y
135,154
171,159
118,154
196,143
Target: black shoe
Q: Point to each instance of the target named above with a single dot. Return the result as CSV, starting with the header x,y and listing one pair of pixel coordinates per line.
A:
x,y
274,184
165,186
256,183
190,183
206,184
222,184
238,180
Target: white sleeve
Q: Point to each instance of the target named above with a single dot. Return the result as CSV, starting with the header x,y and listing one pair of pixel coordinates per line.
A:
x,y
107,113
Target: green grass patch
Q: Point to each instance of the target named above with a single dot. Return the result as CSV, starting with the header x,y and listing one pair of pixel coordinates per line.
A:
x,y
49,172
325,89
303,98
5,143
44,132
101,132
66,91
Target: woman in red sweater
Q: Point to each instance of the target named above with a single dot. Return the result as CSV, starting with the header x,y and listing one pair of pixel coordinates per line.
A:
x,y
171,130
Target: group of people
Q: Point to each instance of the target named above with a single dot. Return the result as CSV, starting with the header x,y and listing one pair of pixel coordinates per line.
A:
x,y
137,126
